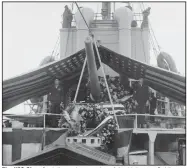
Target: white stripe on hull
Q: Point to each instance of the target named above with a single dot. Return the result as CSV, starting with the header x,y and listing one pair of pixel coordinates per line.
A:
x,y
7,154
29,149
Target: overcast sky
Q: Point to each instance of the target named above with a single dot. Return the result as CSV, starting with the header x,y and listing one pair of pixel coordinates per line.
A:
x,y
30,31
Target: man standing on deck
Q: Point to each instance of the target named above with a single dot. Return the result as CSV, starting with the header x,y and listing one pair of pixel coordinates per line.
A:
x,y
141,97
153,103
55,101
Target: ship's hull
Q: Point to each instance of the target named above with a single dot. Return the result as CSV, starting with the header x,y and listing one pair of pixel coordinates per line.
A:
x,y
21,145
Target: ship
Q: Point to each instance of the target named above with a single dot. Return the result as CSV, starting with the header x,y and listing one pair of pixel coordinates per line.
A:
x,y
101,54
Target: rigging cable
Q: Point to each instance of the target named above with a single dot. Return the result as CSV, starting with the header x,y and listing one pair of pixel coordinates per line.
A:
x,y
57,50
152,30
153,47
151,41
143,45
55,45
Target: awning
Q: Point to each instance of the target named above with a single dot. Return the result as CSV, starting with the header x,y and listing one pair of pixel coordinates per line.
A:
x,y
170,84
37,83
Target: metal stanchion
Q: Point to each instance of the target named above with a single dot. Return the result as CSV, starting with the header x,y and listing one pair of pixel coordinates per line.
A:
x,y
44,131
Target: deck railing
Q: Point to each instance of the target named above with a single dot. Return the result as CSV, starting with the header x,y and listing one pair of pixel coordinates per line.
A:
x,y
40,120
125,121
142,121
99,16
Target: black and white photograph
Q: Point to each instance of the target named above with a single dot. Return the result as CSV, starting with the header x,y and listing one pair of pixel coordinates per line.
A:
x,y
93,83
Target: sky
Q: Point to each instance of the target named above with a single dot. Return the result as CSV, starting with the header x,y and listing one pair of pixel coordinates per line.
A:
x,y
30,31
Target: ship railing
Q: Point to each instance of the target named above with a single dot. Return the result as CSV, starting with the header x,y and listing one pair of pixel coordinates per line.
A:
x,y
160,120
147,121
42,121
38,120
99,16
140,121
165,107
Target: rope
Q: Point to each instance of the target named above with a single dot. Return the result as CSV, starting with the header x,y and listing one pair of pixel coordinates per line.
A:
x,y
151,39
57,51
111,102
82,16
55,45
152,29
154,49
143,45
80,78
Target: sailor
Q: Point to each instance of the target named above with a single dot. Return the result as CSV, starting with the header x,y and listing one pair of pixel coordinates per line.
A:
x,y
55,101
145,14
141,97
67,17
153,101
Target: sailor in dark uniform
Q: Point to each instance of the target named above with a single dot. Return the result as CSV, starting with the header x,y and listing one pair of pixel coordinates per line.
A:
x,y
67,17
55,101
141,96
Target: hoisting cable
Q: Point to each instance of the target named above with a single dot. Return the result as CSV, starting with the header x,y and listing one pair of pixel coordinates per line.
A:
x,y
82,15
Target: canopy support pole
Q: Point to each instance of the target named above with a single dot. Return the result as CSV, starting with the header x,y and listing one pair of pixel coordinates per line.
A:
x,y
80,79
